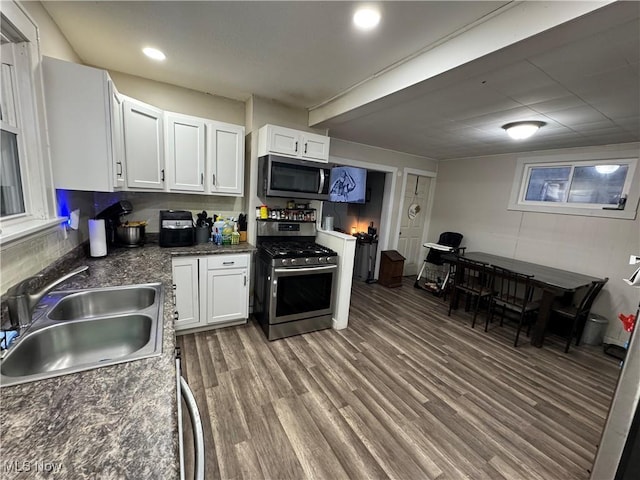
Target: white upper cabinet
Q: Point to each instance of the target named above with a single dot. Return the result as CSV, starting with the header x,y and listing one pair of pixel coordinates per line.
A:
x,y
143,145
314,147
292,143
128,144
185,152
225,159
84,113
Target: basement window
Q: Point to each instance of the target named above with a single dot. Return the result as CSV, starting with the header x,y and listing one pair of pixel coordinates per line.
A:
x,y
601,187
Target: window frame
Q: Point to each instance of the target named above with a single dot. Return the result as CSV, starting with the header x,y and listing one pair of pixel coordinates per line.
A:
x,y
600,156
35,165
13,126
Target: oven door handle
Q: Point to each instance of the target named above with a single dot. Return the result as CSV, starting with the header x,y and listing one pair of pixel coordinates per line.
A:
x,y
305,269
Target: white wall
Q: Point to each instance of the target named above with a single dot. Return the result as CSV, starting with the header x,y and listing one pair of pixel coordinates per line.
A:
x,y
178,99
52,42
472,196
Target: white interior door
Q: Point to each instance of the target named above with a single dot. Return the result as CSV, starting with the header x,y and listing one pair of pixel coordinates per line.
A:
x,y
412,220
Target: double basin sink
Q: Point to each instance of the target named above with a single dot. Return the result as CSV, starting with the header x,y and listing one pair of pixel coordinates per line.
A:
x,y
78,330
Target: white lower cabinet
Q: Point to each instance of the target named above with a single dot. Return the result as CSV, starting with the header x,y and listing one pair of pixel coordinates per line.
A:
x,y
185,292
216,295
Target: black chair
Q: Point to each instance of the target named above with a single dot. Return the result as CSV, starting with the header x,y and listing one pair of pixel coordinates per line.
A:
x,y
579,314
473,279
513,291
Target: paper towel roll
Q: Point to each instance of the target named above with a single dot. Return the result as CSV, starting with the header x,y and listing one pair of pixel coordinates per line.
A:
x,y
328,223
97,238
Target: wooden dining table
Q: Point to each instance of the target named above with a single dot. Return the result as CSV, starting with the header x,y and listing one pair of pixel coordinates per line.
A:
x,y
553,282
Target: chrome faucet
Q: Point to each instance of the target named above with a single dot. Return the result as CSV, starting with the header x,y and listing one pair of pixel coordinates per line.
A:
x,y
21,303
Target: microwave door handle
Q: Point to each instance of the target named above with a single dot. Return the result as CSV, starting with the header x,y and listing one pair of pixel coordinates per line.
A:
x,y
321,180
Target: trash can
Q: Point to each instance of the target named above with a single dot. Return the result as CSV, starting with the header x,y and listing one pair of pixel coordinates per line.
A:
x,y
594,329
391,267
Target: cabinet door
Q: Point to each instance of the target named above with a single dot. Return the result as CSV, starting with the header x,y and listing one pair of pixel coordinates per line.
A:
x,y
79,123
227,295
185,285
143,146
117,138
225,145
283,140
185,152
314,147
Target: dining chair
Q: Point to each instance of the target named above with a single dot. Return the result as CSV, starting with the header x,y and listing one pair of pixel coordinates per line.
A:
x,y
512,291
472,279
578,314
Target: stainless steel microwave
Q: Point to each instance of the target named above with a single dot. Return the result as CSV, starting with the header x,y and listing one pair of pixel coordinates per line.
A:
x,y
292,178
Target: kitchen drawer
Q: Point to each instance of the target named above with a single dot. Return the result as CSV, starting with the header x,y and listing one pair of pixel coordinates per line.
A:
x,y
227,261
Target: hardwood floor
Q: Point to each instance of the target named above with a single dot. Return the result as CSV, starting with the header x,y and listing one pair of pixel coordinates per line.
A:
x,y
405,392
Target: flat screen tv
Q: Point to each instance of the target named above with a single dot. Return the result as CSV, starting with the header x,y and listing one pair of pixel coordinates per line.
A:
x,y
347,185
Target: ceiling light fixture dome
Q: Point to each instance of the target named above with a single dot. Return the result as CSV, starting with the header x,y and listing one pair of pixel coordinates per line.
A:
x,y
522,130
154,53
366,18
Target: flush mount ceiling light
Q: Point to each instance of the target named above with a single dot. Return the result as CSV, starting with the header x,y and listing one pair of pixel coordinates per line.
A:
x,y
522,130
366,18
607,169
154,53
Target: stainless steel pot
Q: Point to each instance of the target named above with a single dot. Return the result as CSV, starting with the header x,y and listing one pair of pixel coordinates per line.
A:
x,y
130,236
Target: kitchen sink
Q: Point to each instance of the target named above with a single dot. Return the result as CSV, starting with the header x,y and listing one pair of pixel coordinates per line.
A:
x,y
86,329
94,303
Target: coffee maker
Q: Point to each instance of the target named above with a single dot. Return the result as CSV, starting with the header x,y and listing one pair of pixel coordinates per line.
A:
x,y
111,216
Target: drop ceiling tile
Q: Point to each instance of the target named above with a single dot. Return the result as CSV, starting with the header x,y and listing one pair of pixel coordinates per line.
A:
x,y
557,104
577,116
620,80
601,125
539,94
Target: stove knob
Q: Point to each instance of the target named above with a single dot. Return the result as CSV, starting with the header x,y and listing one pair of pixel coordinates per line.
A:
x,y
307,260
329,260
321,260
293,260
285,261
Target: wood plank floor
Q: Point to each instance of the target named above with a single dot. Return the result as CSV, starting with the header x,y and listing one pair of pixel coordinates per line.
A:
x,y
405,392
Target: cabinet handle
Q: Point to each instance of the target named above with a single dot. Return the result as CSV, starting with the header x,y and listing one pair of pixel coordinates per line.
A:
x,y
119,164
228,263
202,179
174,286
162,173
305,147
214,178
296,149
245,280
175,315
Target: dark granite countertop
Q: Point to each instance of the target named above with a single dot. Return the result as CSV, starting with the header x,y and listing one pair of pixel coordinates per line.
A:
x,y
111,422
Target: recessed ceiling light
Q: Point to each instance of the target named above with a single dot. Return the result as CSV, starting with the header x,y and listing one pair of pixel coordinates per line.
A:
x,y
522,130
366,18
154,53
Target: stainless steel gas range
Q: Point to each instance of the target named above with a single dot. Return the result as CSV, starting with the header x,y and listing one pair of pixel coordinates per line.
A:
x,y
295,279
